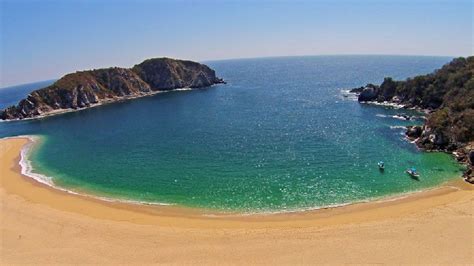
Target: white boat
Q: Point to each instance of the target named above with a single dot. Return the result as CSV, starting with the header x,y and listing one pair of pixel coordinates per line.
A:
x,y
381,165
413,174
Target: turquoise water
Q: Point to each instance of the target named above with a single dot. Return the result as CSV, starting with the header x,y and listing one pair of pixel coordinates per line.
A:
x,y
279,136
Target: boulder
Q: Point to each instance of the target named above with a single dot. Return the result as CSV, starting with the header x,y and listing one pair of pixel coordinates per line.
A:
x,y
367,94
357,90
471,157
469,175
414,132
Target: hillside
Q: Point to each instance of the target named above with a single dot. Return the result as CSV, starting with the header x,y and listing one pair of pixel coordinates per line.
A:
x,y
88,88
446,94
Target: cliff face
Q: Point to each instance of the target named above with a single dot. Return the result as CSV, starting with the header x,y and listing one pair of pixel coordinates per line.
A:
x,y
85,88
167,74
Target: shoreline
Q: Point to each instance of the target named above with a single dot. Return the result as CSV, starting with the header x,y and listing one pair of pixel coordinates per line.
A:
x,y
26,170
23,168
102,103
44,225
458,149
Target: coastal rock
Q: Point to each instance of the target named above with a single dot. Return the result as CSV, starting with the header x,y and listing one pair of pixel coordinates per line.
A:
x,y
460,156
414,132
465,155
87,88
447,96
357,90
367,94
396,99
431,140
469,175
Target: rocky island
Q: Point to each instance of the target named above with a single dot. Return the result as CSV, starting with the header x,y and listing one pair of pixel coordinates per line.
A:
x,y
447,96
89,88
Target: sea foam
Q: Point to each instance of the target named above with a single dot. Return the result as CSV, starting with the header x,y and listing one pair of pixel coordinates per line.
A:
x,y
28,170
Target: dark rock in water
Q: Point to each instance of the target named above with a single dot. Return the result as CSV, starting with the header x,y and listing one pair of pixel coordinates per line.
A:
x,y
460,157
360,89
433,140
367,94
446,95
471,157
469,175
86,88
414,132
357,90
466,155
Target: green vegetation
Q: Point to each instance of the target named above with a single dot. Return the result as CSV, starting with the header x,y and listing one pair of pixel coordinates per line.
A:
x,y
86,88
448,94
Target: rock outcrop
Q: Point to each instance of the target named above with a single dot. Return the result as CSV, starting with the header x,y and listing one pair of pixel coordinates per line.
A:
x,y
414,132
447,95
87,88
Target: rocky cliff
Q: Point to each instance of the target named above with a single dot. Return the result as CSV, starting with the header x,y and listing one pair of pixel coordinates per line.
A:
x,y
87,88
447,95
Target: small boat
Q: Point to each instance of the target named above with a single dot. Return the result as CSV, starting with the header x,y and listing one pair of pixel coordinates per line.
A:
x,y
381,165
413,174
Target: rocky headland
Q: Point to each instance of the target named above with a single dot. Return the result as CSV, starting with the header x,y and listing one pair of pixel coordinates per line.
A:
x,y
447,96
89,88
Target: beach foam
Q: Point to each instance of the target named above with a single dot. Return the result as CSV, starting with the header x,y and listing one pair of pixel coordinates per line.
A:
x,y
27,169
346,94
386,104
397,127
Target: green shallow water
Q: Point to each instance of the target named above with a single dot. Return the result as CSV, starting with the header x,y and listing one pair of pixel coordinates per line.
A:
x,y
279,136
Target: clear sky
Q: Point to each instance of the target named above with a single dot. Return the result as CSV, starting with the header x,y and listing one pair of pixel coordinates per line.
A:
x,y
43,40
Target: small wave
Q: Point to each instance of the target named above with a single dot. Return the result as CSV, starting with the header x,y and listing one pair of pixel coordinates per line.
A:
x,y
400,117
387,104
183,89
376,200
346,94
27,170
397,127
25,163
420,117
296,210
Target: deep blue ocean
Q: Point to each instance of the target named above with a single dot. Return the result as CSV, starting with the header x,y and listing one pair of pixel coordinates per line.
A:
x,y
280,135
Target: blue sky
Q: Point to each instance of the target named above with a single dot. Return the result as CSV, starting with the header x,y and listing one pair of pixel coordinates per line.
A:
x,y
43,40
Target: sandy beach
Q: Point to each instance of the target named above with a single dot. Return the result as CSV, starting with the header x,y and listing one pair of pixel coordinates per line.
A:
x,y
42,225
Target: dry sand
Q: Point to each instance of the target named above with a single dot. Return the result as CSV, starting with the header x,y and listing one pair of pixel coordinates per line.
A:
x,y
42,225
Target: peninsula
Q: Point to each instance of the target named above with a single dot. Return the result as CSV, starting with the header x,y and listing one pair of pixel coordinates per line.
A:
x,y
447,95
89,88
